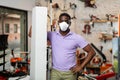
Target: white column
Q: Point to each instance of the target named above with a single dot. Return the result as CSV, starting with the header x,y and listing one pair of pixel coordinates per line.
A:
x,y
38,44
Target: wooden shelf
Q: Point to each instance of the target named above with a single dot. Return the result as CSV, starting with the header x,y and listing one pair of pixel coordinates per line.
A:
x,y
100,21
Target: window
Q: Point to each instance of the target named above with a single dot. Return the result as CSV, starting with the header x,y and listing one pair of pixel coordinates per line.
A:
x,y
7,28
15,28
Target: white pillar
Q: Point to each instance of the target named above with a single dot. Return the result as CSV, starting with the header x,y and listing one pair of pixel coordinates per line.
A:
x,y
38,44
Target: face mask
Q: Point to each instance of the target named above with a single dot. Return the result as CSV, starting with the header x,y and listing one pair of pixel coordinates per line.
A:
x,y
63,26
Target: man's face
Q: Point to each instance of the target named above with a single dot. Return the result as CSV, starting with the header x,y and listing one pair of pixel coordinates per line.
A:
x,y
64,19
64,23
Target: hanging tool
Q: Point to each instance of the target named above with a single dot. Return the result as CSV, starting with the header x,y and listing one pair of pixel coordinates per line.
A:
x,y
73,6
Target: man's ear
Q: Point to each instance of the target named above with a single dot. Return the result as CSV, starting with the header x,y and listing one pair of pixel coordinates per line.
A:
x,y
58,22
70,23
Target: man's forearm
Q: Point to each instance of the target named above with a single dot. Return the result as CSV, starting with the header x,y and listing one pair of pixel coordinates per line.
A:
x,y
87,59
91,54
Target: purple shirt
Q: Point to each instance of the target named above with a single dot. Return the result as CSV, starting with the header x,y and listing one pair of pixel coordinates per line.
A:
x,y
64,49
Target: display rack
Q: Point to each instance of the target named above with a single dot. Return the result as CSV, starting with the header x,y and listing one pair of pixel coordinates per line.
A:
x,y
3,47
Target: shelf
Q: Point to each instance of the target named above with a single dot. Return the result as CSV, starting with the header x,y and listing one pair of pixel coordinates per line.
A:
x,y
100,21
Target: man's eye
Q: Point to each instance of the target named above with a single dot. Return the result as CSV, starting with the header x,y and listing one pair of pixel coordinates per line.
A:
x,y
64,21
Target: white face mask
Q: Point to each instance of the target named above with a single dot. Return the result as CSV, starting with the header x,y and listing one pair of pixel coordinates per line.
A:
x,y
63,26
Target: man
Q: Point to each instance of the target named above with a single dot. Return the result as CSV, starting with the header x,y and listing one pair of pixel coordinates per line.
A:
x,y
64,44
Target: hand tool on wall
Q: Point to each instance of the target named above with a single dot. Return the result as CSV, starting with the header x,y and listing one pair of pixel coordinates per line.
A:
x,y
87,29
108,19
90,3
92,19
73,6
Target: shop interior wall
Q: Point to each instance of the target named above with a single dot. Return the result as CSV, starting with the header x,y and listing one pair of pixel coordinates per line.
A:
x,y
82,14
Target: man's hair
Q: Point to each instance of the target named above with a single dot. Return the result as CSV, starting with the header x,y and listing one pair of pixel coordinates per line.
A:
x,y
64,14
